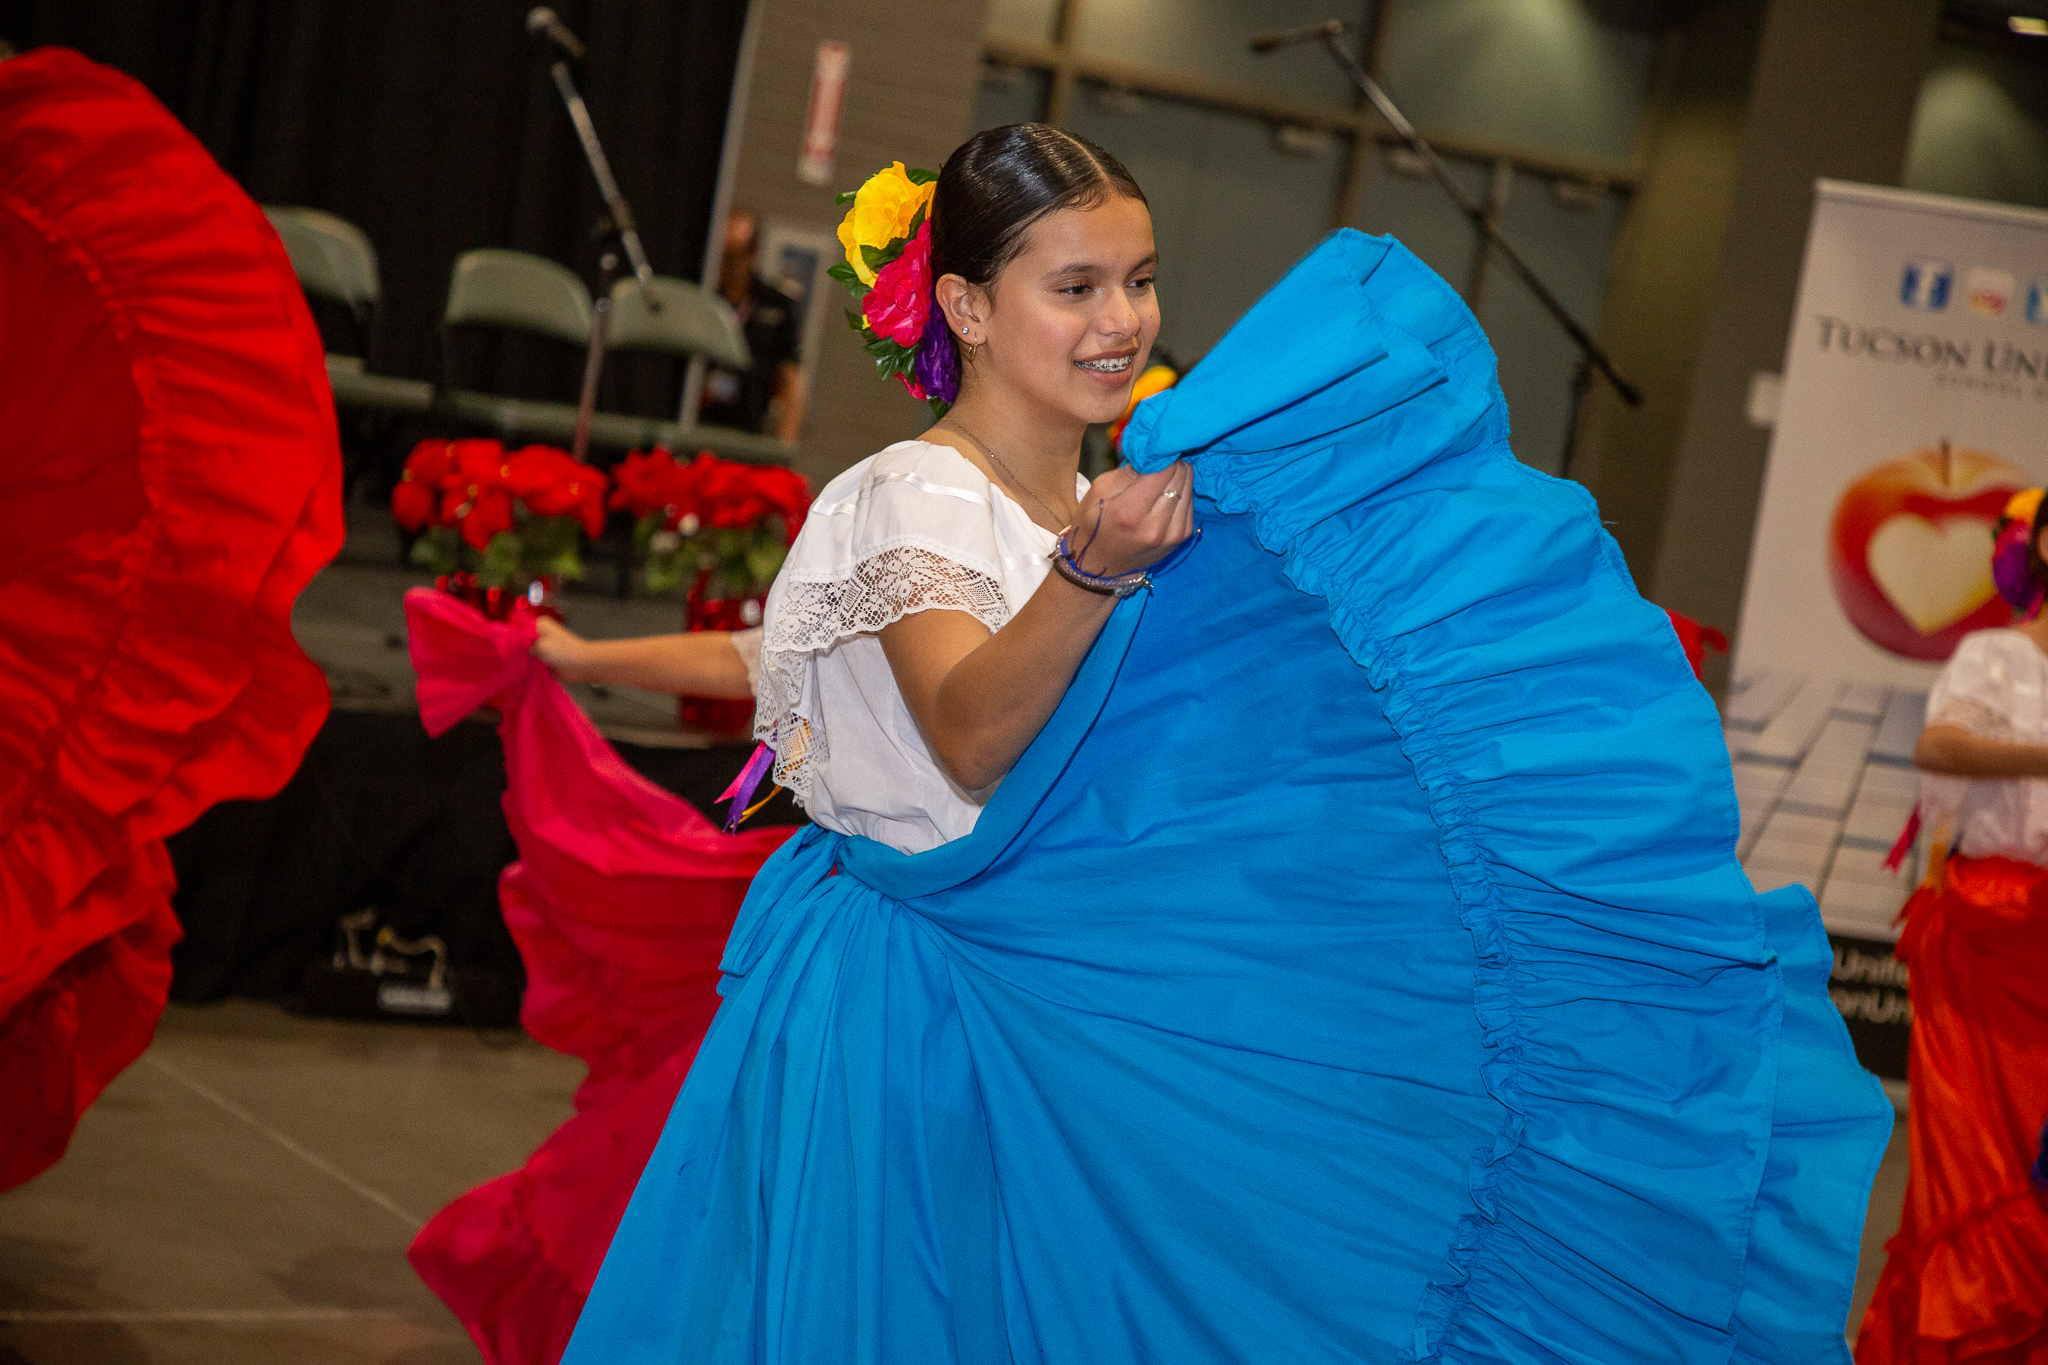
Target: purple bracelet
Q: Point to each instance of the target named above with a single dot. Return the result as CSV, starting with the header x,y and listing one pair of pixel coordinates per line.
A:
x,y
1067,564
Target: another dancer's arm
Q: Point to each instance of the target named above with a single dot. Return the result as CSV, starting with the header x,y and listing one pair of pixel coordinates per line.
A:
x,y
980,698
1964,753
1969,728
702,664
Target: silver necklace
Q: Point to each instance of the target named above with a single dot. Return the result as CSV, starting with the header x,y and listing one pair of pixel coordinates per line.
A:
x,y
1008,473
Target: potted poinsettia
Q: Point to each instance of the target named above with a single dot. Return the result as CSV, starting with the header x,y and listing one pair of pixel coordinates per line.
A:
x,y
496,525
718,531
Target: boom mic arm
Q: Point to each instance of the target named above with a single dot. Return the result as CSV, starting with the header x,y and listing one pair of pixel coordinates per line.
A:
x,y
548,29
1288,37
544,24
1482,222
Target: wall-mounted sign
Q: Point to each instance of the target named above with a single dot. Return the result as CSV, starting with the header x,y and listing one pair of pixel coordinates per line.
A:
x,y
821,118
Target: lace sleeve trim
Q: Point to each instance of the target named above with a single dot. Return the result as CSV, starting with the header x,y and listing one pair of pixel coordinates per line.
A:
x,y
811,618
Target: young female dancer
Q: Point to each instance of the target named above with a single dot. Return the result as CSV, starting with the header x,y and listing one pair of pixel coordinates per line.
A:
x,y
1319,943
1966,1278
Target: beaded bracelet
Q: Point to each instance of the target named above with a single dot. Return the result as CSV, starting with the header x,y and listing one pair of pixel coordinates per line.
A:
x,y
1066,562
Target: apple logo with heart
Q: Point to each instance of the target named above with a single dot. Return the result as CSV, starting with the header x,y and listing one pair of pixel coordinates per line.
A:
x,y
1910,549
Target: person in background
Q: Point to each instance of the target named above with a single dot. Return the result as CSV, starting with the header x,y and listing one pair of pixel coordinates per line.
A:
x,y
769,397
1966,1278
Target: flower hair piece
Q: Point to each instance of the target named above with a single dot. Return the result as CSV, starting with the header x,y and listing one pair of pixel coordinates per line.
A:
x,y
887,234
2011,544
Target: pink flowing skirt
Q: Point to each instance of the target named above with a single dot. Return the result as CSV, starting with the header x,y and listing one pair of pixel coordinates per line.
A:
x,y
620,904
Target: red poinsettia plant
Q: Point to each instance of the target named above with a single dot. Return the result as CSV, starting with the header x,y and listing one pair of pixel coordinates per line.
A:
x,y
718,527
518,512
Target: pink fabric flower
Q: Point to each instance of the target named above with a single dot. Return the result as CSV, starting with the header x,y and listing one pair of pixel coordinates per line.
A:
x,y
901,299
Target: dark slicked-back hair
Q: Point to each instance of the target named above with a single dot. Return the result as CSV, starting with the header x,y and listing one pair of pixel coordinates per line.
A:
x,y
999,182
991,190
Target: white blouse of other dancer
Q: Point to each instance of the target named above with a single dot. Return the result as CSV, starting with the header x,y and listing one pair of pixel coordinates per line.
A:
x,y
1996,687
912,528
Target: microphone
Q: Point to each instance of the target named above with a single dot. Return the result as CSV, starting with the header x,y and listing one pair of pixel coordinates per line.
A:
x,y
543,24
1286,37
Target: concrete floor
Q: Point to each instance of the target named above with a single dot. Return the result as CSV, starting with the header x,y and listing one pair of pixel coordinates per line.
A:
x,y
245,1193
1887,1198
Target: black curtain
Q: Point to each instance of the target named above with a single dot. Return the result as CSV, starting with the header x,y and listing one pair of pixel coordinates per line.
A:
x,y
379,816
433,126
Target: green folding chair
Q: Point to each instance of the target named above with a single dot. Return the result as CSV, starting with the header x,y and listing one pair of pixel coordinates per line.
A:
x,y
335,261
519,292
693,321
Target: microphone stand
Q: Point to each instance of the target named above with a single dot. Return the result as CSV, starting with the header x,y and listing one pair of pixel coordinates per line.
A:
x,y
620,226
593,359
1593,355
607,186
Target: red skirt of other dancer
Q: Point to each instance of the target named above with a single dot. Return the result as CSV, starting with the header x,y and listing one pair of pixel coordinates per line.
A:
x,y
170,478
1966,1279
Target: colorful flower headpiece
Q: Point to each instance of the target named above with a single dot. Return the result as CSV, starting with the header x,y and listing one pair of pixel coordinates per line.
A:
x,y
887,234
2011,539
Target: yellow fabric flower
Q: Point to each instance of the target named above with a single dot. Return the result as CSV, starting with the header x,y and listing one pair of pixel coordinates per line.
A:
x,y
882,212
2023,506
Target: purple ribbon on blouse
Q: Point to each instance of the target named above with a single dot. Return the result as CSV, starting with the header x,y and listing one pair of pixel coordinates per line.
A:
x,y
741,792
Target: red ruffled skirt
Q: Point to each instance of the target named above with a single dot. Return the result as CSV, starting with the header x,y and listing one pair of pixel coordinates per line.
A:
x,y
170,479
1966,1278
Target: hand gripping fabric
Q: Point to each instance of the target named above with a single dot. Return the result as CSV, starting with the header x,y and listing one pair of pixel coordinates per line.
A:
x,y
170,478
1355,968
620,904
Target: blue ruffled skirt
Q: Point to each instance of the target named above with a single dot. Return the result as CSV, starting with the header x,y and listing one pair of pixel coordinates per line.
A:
x,y
1355,969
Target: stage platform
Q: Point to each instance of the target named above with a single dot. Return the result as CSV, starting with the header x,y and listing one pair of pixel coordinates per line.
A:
x,y
351,621
381,818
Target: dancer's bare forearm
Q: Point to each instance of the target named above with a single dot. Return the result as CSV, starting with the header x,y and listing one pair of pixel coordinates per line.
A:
x,y
701,664
980,698
1956,751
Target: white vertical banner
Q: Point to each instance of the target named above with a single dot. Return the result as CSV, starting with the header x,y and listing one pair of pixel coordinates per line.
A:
x,y
1914,404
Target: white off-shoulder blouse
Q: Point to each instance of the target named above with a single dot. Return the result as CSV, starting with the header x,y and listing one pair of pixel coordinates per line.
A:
x,y
1994,685
916,527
